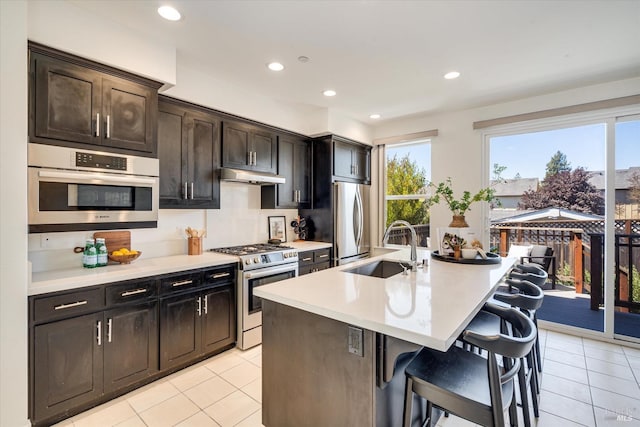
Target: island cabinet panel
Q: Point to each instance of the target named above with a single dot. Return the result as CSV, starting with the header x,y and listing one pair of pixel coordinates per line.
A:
x,y
312,378
189,154
68,360
248,147
74,102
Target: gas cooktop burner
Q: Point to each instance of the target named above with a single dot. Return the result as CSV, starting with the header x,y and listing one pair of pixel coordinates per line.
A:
x,y
251,249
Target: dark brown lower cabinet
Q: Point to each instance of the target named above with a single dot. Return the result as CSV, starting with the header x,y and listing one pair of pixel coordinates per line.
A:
x,y
196,323
130,345
92,344
68,364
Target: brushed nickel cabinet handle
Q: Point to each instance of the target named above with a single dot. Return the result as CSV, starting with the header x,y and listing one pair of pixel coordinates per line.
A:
x,y
323,256
181,283
219,275
73,304
191,190
199,309
97,124
186,194
206,304
136,292
99,332
108,126
306,259
109,326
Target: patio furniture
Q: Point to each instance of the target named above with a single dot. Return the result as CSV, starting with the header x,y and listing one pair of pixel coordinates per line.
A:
x,y
456,381
540,255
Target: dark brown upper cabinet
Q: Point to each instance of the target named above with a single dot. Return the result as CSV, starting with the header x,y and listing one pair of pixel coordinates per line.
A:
x,y
189,154
294,163
351,161
74,102
248,147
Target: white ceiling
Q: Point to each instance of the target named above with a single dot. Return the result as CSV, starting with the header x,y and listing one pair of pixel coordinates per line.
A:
x,y
388,57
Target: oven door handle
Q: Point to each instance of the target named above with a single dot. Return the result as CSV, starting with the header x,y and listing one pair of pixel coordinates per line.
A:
x,y
95,178
271,271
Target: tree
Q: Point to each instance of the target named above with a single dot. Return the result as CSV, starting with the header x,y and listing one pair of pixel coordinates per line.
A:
x,y
557,164
567,190
404,177
497,171
517,176
634,187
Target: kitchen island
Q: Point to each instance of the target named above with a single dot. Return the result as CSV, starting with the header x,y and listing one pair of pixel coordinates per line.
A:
x,y
335,343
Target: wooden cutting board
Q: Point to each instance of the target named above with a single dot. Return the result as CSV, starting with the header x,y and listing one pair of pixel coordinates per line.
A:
x,y
115,239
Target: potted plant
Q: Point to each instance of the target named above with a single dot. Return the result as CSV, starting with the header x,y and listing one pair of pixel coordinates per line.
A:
x,y
458,207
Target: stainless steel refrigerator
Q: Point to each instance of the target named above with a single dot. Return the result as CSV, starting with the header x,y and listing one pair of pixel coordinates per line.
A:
x,y
350,222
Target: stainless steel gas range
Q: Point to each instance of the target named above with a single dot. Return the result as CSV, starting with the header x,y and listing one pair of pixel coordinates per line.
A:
x,y
260,264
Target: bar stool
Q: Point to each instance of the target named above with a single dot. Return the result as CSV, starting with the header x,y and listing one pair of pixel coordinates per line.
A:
x,y
467,384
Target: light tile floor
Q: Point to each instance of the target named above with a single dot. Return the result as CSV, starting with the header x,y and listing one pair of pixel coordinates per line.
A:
x,y
585,383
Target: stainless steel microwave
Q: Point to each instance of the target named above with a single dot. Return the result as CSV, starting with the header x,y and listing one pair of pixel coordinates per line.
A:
x,y
75,189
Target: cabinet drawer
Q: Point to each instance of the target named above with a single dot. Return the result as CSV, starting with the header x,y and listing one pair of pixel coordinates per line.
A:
x,y
180,282
305,258
68,304
132,291
321,255
219,275
322,266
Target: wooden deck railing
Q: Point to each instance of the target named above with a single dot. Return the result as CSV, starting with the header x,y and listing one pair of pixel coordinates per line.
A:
x,y
627,280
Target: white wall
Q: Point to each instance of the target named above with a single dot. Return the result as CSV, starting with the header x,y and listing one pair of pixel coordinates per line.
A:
x,y
13,214
458,149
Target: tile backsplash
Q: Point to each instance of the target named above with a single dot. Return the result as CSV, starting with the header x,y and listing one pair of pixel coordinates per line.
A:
x,y
240,220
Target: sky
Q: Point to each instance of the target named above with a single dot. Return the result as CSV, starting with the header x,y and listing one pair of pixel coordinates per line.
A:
x,y
529,153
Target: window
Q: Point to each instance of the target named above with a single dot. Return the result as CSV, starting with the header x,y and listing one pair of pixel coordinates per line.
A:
x,y
408,170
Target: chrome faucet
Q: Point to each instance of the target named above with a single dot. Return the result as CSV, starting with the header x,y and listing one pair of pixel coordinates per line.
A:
x,y
414,240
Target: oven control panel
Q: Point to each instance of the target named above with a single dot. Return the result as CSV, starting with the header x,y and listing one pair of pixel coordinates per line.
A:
x,y
271,258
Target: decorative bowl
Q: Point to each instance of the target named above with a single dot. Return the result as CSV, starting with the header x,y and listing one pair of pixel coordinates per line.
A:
x,y
469,253
124,259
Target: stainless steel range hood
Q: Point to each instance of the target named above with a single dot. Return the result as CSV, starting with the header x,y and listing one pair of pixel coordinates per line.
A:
x,y
251,177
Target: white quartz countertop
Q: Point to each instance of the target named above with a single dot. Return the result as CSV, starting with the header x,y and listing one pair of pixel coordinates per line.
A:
x,y
307,245
429,307
59,280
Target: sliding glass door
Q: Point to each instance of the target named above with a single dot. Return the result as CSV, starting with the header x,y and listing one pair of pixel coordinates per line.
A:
x,y
572,187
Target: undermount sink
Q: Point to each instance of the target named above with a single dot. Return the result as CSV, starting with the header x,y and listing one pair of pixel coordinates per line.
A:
x,y
381,269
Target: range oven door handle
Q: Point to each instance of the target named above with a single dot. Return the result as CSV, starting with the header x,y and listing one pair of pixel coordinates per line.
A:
x,y
270,271
95,178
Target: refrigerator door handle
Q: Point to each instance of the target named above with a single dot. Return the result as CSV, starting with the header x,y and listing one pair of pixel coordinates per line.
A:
x,y
360,218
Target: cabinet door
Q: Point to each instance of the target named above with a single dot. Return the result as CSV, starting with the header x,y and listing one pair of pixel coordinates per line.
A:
x,y
204,160
179,329
342,162
263,145
130,344
361,160
129,112
235,145
65,100
286,196
219,318
172,154
67,364
302,172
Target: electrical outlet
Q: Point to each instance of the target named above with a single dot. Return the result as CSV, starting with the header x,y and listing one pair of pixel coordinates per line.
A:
x,y
356,338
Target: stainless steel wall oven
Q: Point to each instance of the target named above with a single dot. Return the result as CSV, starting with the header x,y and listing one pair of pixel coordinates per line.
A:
x,y
72,190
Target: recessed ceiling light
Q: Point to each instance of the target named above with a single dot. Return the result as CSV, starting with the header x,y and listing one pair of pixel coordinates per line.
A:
x,y
329,92
452,75
374,116
303,59
168,12
275,66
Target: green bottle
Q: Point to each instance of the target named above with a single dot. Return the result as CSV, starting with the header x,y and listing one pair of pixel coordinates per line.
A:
x,y
90,255
101,250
